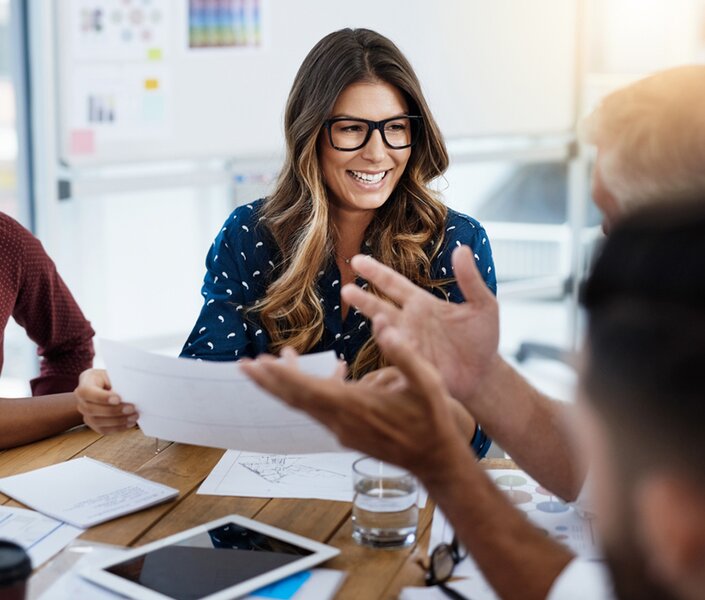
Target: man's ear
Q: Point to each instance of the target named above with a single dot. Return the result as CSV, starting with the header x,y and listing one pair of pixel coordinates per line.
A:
x,y
670,522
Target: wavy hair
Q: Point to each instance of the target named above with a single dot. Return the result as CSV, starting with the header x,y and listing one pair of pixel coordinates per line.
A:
x,y
406,232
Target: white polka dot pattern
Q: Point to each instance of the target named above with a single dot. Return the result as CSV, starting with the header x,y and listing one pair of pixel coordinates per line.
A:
x,y
241,263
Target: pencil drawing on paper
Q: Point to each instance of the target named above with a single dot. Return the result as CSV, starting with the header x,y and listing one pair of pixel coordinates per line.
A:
x,y
286,469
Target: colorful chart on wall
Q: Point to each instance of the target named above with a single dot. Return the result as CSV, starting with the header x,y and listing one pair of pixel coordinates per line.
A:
x,y
225,24
160,80
120,77
119,30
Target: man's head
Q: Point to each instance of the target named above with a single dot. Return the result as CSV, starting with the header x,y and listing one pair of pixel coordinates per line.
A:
x,y
650,139
643,399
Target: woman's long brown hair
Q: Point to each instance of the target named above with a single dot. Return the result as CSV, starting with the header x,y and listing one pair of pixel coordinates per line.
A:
x,y
406,232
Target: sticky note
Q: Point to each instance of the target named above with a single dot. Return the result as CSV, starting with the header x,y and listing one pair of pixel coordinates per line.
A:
x,y
82,141
154,54
151,84
153,106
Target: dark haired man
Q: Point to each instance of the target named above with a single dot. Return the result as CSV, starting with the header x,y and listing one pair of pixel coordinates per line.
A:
x,y
641,421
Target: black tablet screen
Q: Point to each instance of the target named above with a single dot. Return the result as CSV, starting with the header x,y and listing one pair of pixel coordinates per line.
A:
x,y
209,562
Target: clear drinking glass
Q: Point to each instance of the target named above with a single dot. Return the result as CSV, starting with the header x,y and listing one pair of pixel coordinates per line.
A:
x,y
385,510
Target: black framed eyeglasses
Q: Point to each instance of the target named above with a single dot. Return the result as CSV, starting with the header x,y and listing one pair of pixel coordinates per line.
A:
x,y
443,560
348,134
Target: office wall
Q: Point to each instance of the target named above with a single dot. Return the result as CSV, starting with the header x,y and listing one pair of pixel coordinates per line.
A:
x,y
500,67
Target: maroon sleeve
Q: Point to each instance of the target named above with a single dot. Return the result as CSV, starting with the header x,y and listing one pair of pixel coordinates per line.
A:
x,y
52,319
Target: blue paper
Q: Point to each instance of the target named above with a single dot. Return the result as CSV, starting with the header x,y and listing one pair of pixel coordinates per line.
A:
x,y
284,589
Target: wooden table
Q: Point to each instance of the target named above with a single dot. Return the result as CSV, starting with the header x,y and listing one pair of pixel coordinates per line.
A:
x,y
372,574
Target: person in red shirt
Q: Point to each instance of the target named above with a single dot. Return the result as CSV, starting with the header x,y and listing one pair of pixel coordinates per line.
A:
x,y
33,293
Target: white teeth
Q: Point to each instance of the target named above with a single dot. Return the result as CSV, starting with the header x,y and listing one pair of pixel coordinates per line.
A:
x,y
369,177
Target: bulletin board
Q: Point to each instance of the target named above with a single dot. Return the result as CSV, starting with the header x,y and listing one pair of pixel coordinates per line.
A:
x,y
143,80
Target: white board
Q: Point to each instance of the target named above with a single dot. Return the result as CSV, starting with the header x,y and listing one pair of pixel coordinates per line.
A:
x,y
487,67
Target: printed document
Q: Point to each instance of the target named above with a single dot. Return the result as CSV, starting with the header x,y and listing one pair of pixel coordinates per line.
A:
x,y
546,511
84,492
214,403
40,536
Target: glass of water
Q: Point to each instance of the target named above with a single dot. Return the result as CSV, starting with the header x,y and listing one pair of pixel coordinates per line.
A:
x,y
385,510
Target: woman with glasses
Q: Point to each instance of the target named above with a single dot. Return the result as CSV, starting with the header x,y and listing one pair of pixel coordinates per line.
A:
x,y
362,149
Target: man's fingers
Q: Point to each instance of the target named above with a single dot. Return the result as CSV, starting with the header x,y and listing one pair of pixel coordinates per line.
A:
x,y
419,373
369,304
474,288
301,391
341,370
396,286
383,377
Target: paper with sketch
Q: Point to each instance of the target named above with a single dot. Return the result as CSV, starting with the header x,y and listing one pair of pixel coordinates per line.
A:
x,y
323,476
85,492
40,536
326,476
214,403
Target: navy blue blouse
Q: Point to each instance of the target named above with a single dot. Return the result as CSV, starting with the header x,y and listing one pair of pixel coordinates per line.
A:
x,y
238,266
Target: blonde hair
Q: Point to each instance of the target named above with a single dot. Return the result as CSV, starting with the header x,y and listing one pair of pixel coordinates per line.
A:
x,y
651,138
407,231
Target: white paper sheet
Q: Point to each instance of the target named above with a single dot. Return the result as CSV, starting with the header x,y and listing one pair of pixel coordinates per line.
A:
x,y
324,476
213,403
469,588
84,492
71,586
559,520
40,536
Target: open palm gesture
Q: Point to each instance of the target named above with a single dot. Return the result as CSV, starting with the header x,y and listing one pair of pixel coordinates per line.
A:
x,y
460,340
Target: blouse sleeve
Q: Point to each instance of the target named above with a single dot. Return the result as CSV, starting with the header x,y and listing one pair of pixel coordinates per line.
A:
x,y
462,230
465,231
222,332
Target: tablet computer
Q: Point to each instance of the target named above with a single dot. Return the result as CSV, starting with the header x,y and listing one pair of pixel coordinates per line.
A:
x,y
226,558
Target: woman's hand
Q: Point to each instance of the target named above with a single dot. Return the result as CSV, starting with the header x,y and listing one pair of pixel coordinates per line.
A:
x,y
102,409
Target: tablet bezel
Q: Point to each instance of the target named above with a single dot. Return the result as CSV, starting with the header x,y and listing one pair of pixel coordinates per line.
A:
x,y
321,553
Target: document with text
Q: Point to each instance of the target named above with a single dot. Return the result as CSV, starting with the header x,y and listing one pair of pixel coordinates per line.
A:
x,y
85,492
214,403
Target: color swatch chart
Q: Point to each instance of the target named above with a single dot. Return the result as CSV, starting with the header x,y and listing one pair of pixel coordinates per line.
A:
x,y
225,23
546,511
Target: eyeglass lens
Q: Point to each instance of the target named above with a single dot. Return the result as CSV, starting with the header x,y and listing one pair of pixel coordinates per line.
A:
x,y
442,563
352,134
